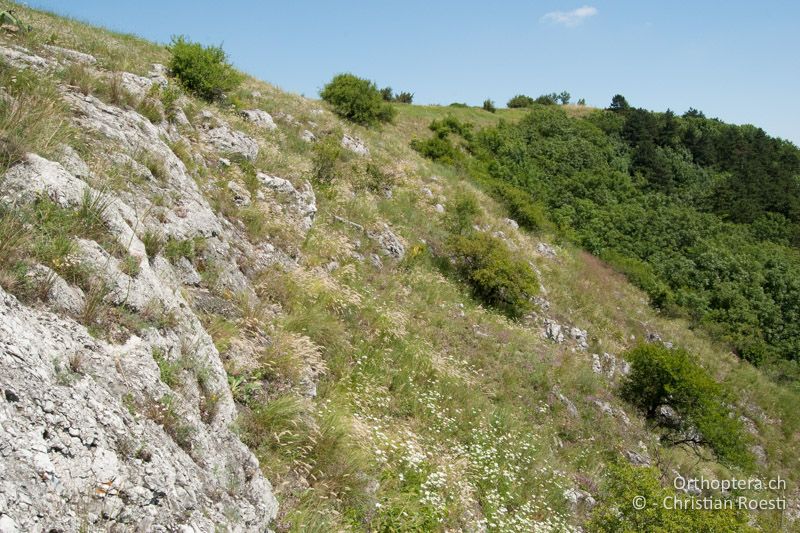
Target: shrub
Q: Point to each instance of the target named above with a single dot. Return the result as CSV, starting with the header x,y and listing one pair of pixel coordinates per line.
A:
x,y
529,213
327,153
387,94
438,149
451,124
520,100
463,213
496,277
616,511
488,105
204,71
357,99
662,378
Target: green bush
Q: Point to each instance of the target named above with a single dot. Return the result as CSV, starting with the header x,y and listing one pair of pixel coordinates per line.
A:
x,y
450,124
357,100
326,157
497,278
202,70
520,100
488,105
664,378
438,149
616,511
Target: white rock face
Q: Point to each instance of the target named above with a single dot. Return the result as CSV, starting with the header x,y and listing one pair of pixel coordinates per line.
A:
x,y
131,133
302,202
389,242
355,145
546,250
73,455
62,296
137,85
72,162
225,140
73,55
21,58
260,118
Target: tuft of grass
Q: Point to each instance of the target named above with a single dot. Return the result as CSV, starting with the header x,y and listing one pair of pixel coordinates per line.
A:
x,y
153,241
154,163
165,413
33,120
78,76
169,371
130,266
112,91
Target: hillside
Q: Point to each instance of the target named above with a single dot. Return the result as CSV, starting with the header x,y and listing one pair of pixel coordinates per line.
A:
x,y
247,315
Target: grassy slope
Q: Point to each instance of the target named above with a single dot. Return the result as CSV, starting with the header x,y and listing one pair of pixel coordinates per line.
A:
x,y
427,406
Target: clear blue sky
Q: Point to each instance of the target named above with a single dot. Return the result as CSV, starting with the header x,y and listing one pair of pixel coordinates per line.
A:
x,y
736,60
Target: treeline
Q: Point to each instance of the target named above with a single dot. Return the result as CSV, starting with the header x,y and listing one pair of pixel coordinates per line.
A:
x,y
703,215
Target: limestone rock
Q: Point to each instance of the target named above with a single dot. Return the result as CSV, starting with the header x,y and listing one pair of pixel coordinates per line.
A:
x,y
389,242
578,499
546,250
303,202
571,409
70,444
226,140
72,162
72,55
22,58
60,295
260,118
355,145
552,331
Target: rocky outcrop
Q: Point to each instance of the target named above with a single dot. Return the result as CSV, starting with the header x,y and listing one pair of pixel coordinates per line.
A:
x,y
302,202
90,437
226,140
260,118
355,145
72,55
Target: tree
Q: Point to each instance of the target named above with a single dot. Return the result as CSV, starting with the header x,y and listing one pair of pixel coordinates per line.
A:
x,y
564,97
520,100
619,103
488,105
404,97
547,99
582,102
693,113
387,94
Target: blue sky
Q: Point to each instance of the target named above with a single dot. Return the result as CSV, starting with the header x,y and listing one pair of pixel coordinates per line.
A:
x,y
736,60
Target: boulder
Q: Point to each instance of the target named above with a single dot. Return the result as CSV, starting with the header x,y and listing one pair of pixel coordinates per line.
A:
x,y
260,118
355,145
